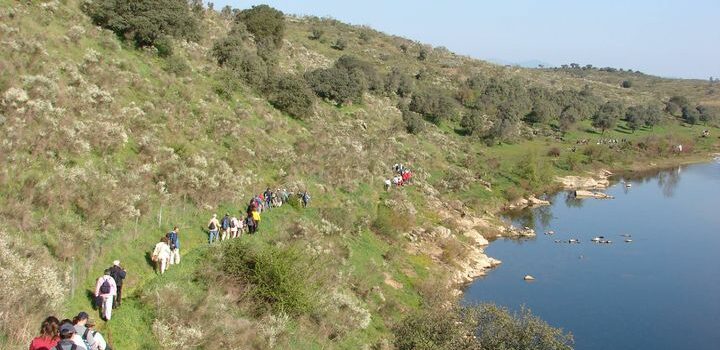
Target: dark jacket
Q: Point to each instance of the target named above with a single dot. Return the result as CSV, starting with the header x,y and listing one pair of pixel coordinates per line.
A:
x,y
118,274
66,344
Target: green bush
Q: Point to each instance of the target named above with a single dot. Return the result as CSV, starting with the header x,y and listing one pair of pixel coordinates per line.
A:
x,y
414,123
339,85
176,65
265,23
434,104
144,22
277,278
483,327
339,44
164,46
291,95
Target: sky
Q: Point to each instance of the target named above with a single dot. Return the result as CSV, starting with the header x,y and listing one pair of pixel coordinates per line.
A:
x,y
670,38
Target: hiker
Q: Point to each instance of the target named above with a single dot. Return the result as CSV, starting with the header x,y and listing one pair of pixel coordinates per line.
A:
x,y
268,198
396,181
49,335
118,274
69,340
285,196
105,291
100,342
305,198
405,176
250,223
234,223
256,219
80,321
225,224
387,184
174,242
213,228
161,254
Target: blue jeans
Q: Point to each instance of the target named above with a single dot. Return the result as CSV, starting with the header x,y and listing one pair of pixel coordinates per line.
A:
x,y
213,235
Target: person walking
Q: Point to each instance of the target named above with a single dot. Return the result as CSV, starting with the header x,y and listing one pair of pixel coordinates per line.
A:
x,y
174,242
49,334
305,199
118,274
161,254
105,292
225,224
250,223
100,342
67,333
213,228
234,223
80,323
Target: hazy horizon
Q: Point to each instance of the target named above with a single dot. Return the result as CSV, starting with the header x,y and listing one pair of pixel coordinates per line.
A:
x,y
665,38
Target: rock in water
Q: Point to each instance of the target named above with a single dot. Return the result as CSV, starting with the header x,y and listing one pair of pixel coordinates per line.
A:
x,y
529,278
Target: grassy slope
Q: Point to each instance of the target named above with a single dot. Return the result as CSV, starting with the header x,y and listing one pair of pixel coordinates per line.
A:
x,y
186,116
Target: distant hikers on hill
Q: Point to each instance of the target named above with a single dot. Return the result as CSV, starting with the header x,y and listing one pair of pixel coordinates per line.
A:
x,y
402,176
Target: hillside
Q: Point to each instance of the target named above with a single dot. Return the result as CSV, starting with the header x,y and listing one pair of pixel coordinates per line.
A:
x,y
109,141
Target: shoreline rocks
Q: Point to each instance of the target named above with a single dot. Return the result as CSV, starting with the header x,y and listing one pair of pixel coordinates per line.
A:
x,y
597,181
591,194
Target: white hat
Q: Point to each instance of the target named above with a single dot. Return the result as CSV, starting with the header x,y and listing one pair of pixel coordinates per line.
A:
x,y
116,262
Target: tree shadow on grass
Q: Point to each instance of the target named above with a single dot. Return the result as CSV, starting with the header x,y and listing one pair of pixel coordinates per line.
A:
x,y
592,131
623,129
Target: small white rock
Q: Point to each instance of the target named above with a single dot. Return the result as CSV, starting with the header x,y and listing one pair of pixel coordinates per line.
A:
x,y
529,278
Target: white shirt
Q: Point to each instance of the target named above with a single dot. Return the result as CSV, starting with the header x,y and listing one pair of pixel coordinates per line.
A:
x,y
99,341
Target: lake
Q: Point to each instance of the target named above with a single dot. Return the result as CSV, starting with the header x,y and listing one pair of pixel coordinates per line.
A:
x,y
660,291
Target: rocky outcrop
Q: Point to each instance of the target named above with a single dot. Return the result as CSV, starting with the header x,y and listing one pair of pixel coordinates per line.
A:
x,y
595,181
517,232
531,201
591,194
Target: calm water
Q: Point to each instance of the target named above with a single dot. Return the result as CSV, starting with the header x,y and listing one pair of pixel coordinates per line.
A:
x,y
662,291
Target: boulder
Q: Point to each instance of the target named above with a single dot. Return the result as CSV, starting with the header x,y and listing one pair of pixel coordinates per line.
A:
x,y
591,194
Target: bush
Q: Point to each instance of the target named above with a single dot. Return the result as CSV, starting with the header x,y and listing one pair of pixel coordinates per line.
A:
x,y
278,278
482,327
265,23
627,84
291,95
164,46
339,44
339,85
316,34
414,123
144,22
176,65
554,152
434,104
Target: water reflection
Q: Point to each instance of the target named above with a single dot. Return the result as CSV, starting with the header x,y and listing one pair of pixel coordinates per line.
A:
x,y
668,181
572,202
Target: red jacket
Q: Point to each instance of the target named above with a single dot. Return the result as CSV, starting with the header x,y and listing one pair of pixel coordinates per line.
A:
x,y
42,343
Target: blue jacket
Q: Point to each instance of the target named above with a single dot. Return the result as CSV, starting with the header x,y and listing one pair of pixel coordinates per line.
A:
x,y
174,240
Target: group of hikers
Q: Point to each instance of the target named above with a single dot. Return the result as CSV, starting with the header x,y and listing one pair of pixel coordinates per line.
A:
x,y
402,176
167,251
232,227
79,333
76,334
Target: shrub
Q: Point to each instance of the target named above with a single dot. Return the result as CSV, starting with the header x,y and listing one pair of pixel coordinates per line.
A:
x,y
164,46
278,278
554,152
414,123
627,84
144,21
265,23
434,104
482,327
316,34
176,65
354,64
339,44
291,95
339,85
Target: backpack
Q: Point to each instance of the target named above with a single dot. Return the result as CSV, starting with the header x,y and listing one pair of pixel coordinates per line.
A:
x,y
225,222
105,287
85,338
172,237
59,347
212,226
